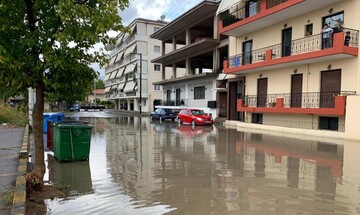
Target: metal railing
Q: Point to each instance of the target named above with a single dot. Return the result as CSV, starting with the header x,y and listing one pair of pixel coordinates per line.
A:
x,y
299,100
299,46
231,16
298,124
273,3
181,102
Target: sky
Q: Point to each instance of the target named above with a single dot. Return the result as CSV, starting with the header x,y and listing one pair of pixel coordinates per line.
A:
x,y
152,9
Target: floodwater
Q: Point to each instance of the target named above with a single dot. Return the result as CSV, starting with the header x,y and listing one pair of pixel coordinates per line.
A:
x,y
138,167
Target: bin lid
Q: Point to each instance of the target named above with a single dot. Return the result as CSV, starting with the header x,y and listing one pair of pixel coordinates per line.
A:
x,y
54,114
73,125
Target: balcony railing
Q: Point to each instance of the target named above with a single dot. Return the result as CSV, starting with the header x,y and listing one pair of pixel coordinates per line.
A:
x,y
273,3
299,46
231,16
300,100
181,102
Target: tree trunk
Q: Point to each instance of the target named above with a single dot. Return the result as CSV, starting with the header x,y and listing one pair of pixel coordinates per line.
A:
x,y
38,131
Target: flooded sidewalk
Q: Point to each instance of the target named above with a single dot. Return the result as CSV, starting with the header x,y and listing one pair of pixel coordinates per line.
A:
x,y
10,144
139,167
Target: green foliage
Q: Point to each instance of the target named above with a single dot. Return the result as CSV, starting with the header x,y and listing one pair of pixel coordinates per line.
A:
x,y
13,116
8,196
100,84
107,104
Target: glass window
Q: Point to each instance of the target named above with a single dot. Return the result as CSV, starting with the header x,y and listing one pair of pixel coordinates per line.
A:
x,y
156,29
335,20
157,49
308,29
199,92
157,67
156,87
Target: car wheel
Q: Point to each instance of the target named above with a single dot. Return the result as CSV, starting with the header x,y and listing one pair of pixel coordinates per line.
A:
x,y
193,123
101,109
86,109
173,119
78,110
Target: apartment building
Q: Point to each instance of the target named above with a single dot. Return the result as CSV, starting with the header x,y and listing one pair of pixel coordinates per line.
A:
x,y
192,61
130,74
290,72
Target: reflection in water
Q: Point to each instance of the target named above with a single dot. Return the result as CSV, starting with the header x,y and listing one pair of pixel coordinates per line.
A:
x,y
138,167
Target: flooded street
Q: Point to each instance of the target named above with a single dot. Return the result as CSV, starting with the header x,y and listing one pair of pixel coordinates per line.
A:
x,y
139,167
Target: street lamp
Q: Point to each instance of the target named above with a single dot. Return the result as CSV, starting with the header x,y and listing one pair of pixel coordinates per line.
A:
x,y
140,85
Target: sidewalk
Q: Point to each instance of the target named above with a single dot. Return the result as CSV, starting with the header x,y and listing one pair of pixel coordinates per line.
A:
x,y
10,144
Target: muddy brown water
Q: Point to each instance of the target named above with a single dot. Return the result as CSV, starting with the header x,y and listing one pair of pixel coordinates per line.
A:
x,y
139,167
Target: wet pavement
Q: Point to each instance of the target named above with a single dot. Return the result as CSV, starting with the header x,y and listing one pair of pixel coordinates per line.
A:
x,y
10,144
138,167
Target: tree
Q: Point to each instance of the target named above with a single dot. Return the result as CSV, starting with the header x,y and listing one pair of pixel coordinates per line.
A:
x,y
48,42
100,84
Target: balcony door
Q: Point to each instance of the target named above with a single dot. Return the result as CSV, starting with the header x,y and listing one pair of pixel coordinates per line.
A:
x,y
177,95
168,97
247,52
296,90
251,8
286,42
330,86
262,92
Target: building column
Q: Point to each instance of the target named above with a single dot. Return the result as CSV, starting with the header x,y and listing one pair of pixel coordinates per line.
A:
x,y
174,70
163,72
188,37
174,43
216,60
188,66
136,104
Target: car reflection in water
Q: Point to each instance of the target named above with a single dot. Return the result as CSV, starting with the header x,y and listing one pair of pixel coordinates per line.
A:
x,y
194,131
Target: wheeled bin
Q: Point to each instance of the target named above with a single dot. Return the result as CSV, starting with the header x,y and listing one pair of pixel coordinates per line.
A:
x,y
72,141
52,117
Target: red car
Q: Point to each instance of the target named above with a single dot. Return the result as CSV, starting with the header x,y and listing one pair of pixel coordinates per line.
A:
x,y
194,117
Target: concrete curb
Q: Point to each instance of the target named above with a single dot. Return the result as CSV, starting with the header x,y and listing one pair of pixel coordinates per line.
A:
x,y
19,200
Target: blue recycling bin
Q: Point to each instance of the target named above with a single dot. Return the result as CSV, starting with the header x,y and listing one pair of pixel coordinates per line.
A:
x,y
52,117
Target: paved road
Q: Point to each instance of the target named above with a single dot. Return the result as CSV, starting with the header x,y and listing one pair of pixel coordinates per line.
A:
x,y
10,144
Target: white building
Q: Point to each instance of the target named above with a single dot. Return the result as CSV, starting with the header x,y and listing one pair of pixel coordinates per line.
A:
x,y
129,74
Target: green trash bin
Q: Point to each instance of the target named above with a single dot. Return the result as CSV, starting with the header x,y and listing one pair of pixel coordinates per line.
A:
x,y
72,141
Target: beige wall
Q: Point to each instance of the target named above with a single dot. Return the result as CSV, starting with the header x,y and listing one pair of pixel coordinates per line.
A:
x,y
352,128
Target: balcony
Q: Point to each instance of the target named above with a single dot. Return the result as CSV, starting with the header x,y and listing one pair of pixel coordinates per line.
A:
x,y
242,18
194,48
301,51
326,103
172,103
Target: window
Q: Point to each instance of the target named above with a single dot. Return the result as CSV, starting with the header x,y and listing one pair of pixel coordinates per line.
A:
x,y
157,67
257,118
329,123
334,21
199,92
156,29
308,29
157,49
156,87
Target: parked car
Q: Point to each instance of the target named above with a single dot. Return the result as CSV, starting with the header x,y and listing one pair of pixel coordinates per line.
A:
x,y
194,117
92,106
162,113
75,108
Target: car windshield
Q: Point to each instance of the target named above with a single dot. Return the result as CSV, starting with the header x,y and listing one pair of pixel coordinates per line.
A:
x,y
198,112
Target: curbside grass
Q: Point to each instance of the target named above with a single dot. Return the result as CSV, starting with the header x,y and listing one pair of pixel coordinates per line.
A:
x,y
19,201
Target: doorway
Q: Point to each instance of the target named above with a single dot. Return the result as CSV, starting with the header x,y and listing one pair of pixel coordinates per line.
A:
x,y
236,91
286,42
330,86
177,97
296,90
262,92
247,52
